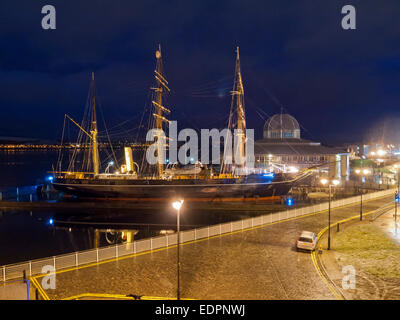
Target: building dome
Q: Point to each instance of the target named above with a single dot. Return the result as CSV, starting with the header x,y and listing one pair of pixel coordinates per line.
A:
x,y
281,126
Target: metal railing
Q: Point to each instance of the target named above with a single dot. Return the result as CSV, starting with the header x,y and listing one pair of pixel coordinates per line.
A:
x,y
76,259
376,214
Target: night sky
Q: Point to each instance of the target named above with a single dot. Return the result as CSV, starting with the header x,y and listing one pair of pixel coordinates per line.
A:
x,y
341,85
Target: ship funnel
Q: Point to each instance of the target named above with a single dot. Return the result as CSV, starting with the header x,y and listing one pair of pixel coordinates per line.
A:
x,y
129,160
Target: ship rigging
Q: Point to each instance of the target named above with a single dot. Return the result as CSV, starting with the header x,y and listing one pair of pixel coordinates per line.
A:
x,y
132,181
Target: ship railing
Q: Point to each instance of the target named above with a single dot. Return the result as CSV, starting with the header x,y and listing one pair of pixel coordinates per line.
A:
x,y
112,252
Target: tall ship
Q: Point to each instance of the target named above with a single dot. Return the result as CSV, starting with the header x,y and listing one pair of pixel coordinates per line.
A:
x,y
140,180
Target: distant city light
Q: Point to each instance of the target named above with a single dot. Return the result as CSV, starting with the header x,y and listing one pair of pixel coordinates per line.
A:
x,y
293,169
324,181
50,178
335,182
365,171
51,221
381,152
358,171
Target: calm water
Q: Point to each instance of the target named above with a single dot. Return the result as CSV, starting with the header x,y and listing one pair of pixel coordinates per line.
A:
x,y
26,235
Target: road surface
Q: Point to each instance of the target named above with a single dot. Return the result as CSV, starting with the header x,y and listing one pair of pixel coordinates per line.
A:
x,y
261,263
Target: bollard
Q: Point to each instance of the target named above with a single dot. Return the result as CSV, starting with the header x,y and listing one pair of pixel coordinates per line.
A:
x,y
320,249
24,275
28,290
337,228
37,294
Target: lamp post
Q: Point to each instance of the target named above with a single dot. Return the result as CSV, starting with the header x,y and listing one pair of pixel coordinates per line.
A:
x,y
111,163
397,193
331,183
177,206
361,211
364,173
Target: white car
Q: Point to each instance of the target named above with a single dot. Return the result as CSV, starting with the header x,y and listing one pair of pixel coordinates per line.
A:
x,y
307,241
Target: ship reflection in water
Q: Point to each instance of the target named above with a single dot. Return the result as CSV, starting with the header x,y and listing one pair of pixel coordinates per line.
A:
x,y
26,235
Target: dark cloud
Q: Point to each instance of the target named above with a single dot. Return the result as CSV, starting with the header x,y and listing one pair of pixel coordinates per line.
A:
x,y
294,55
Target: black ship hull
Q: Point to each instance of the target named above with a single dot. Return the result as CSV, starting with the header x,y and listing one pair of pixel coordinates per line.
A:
x,y
188,188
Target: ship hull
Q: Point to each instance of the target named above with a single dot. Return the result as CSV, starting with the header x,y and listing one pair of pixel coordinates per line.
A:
x,y
149,189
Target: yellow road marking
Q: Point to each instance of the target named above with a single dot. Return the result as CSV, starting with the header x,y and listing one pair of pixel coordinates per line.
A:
x,y
331,288
39,287
193,241
118,296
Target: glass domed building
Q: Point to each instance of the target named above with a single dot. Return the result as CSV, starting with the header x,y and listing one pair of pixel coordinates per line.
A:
x,y
283,146
281,126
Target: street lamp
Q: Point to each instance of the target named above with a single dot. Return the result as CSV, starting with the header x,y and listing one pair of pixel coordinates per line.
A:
x,y
177,206
397,192
111,163
331,183
364,172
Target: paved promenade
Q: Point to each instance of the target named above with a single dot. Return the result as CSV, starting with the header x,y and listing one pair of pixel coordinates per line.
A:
x,y
16,290
261,263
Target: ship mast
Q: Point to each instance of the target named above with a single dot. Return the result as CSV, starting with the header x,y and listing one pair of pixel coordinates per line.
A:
x,y
159,90
238,97
94,132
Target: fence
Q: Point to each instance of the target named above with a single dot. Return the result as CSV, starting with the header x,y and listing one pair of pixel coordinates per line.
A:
x,y
76,259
